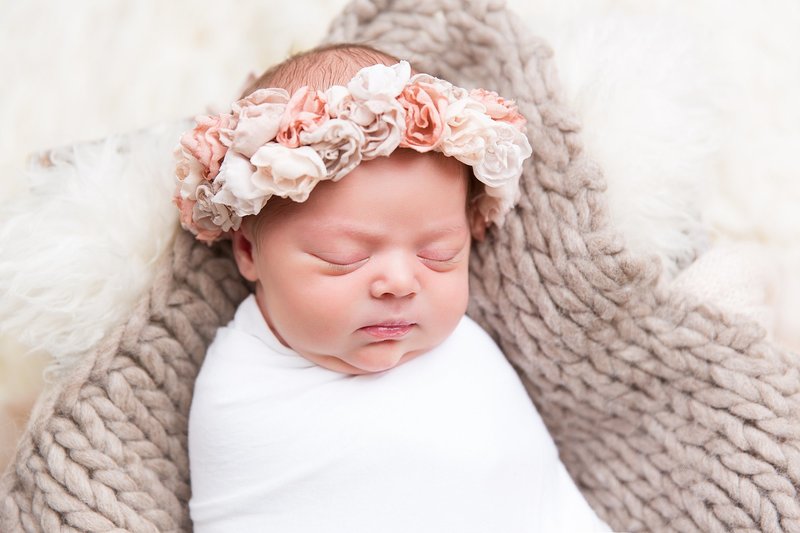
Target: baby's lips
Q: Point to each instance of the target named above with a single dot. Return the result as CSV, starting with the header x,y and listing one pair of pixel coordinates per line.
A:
x,y
388,330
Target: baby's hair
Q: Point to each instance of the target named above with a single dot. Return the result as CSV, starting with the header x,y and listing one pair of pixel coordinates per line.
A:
x,y
320,68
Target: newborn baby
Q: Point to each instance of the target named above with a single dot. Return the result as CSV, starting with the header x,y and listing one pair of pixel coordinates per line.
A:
x,y
350,392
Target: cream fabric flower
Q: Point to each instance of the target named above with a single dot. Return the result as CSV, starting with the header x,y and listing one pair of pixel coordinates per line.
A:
x,y
469,131
381,121
212,219
190,173
287,172
258,117
338,142
236,186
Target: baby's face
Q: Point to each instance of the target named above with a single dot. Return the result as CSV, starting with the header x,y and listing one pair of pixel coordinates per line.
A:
x,y
370,271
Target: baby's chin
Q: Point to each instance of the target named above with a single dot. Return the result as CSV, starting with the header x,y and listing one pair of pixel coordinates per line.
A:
x,y
368,361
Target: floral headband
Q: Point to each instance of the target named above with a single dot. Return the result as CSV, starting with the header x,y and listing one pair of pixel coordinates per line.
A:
x,y
275,144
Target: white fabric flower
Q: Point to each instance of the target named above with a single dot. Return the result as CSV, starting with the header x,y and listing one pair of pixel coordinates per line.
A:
x,y
468,131
236,186
189,172
287,172
503,156
338,142
380,81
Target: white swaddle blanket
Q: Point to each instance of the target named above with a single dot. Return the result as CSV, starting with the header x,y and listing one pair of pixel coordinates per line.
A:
x,y
448,441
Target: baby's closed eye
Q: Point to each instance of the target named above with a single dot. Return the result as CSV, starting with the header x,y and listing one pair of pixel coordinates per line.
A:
x,y
341,261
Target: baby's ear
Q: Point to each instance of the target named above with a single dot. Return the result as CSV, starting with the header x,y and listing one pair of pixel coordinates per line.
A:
x,y
477,224
243,252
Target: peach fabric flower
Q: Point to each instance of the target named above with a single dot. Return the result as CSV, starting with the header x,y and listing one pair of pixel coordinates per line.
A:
x,y
185,207
258,117
425,102
499,108
204,144
304,112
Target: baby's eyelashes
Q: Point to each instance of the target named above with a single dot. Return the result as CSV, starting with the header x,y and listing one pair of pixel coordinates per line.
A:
x,y
440,259
340,262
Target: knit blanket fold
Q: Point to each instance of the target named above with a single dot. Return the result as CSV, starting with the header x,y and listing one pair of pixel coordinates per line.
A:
x,y
670,414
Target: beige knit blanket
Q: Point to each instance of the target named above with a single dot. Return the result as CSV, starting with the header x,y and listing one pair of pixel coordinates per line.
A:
x,y
670,415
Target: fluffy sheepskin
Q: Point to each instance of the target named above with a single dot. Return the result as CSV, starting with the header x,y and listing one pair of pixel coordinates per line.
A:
x,y
64,283
692,147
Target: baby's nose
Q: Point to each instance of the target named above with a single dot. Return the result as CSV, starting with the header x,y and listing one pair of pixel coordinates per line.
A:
x,y
396,276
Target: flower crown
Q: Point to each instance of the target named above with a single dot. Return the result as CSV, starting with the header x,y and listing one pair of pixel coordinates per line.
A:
x,y
275,144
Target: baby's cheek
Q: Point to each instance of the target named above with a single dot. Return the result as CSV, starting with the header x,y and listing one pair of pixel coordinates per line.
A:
x,y
330,299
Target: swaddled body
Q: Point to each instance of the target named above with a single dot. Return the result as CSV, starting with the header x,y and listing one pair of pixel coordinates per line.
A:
x,y
446,442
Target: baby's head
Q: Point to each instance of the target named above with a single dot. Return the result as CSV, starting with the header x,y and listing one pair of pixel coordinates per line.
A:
x,y
348,191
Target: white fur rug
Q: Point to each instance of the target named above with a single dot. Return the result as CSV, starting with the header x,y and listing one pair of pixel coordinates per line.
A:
x,y
688,105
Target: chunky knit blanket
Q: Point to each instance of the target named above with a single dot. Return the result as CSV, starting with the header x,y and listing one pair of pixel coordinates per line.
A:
x,y
670,415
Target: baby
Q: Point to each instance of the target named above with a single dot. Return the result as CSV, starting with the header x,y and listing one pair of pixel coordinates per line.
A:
x,y
350,392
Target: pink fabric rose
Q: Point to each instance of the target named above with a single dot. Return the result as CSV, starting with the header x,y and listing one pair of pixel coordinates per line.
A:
x,y
305,112
425,103
204,144
258,117
185,206
499,108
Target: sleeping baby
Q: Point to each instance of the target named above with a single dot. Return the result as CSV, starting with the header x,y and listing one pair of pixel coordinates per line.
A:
x,y
350,392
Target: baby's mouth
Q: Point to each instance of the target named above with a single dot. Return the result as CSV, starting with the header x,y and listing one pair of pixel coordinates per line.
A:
x,y
388,330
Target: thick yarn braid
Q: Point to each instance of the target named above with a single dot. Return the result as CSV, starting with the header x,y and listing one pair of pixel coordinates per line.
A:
x,y
669,414
106,449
